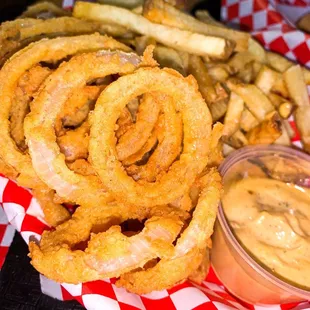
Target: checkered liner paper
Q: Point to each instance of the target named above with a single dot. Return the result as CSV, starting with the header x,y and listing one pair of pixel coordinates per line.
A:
x,y
272,23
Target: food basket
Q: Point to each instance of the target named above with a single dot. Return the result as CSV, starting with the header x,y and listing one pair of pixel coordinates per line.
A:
x,y
272,23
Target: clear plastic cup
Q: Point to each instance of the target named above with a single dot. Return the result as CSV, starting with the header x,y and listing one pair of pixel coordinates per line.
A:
x,y
241,274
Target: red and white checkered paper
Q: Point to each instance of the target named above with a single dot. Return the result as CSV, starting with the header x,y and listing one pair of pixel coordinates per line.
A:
x,y
273,24
275,29
25,215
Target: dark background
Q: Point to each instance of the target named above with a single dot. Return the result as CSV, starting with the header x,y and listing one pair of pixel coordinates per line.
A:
x,y
19,281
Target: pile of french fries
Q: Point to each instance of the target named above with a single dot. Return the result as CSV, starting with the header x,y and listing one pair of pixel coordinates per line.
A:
x,y
252,91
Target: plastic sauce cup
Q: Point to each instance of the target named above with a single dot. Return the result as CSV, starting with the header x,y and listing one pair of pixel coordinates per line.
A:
x,y
239,273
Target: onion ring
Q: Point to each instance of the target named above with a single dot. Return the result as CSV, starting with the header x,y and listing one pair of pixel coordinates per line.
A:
x,y
190,248
147,147
44,50
16,34
74,143
77,108
47,160
197,128
168,148
134,138
81,166
124,123
108,253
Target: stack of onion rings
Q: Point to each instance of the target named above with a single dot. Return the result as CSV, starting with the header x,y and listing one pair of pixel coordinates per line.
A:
x,y
110,132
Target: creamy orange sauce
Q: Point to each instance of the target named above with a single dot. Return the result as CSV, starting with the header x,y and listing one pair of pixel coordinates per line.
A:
x,y
271,219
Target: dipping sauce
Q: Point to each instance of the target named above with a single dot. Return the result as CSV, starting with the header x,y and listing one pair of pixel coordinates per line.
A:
x,y
271,220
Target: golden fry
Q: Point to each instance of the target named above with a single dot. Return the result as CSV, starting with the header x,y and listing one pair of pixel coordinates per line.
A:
x,y
179,39
302,117
255,100
233,114
170,58
304,23
266,132
198,69
281,64
296,85
266,79
158,11
285,109
248,120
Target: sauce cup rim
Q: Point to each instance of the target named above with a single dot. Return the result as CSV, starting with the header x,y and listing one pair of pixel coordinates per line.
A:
x,y
229,162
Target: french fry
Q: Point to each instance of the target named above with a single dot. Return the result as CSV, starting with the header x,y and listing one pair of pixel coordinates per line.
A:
x,y
302,117
254,48
288,128
247,74
183,40
233,114
221,92
248,121
304,23
266,132
266,79
255,100
237,140
296,85
218,109
279,86
218,73
257,51
142,42
281,64
198,69
239,60
227,149
257,66
138,10
286,109
161,12
128,4
168,57
276,99
285,138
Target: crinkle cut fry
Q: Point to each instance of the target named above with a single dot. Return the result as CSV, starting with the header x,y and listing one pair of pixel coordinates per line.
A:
x,y
190,247
47,160
109,253
197,129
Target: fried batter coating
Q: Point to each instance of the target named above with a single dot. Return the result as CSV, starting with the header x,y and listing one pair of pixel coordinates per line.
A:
x,y
43,51
108,253
54,214
74,144
81,166
136,136
124,122
190,248
27,85
47,160
197,129
170,134
18,33
76,108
